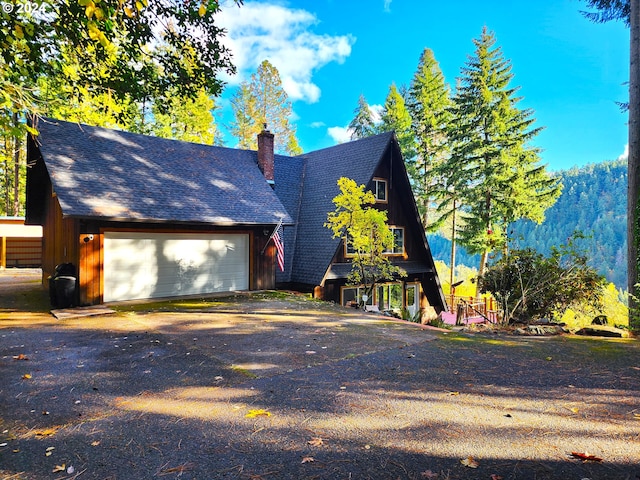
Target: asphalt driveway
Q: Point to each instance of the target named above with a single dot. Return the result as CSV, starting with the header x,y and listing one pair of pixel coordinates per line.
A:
x,y
275,386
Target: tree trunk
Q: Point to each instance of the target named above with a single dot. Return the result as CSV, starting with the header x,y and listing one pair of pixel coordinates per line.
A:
x,y
17,147
453,250
6,153
633,208
483,266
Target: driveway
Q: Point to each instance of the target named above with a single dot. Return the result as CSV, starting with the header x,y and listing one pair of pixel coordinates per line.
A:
x,y
277,386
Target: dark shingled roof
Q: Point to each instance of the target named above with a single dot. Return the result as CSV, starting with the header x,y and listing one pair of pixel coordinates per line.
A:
x,y
103,173
314,178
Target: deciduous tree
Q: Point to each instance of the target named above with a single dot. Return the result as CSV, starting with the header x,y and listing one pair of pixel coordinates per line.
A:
x,y
528,285
365,230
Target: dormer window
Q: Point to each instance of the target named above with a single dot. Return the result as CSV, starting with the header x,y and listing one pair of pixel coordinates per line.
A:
x,y
380,190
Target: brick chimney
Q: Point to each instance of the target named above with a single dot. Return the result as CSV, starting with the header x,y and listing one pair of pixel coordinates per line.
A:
x,y
265,155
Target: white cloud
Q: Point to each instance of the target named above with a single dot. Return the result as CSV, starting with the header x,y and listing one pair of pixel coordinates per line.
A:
x,y
317,124
267,31
340,134
624,155
387,5
376,113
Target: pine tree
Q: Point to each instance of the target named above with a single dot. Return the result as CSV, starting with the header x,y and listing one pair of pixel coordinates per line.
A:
x,y
396,117
263,102
502,178
362,124
428,105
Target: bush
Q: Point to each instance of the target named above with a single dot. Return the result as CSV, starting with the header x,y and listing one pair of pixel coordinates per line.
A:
x,y
528,285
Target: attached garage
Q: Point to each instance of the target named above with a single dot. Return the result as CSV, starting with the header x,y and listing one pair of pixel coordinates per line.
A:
x,y
152,265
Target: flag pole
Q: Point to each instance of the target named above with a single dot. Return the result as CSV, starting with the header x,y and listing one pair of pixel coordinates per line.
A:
x,y
271,236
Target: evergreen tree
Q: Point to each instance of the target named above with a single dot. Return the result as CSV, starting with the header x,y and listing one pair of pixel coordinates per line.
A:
x,y
428,105
396,117
263,102
502,178
362,124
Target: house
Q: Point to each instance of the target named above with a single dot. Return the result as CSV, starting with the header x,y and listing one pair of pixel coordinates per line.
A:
x,y
145,217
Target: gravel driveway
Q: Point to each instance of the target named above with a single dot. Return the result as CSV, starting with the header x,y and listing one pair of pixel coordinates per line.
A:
x,y
273,386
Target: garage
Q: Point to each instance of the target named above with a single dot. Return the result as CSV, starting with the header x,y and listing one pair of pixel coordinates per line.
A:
x,y
141,265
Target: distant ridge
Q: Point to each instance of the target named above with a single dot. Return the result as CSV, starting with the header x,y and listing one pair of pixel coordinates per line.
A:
x,y
594,202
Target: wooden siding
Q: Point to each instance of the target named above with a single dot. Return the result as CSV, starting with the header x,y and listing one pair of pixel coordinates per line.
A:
x,y
91,282
22,252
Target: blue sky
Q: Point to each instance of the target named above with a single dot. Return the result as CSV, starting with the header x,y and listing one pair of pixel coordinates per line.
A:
x,y
328,52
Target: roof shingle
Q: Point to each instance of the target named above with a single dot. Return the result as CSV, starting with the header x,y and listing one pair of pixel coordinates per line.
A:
x,y
109,174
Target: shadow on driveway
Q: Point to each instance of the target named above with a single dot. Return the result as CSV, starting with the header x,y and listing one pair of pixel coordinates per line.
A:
x,y
280,387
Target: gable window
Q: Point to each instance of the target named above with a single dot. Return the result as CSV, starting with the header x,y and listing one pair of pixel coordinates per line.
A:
x,y
380,190
396,249
398,241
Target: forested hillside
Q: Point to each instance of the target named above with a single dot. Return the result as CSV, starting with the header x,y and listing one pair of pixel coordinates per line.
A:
x,y
593,202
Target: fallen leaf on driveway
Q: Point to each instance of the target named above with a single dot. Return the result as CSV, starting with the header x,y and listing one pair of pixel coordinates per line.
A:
x,y
22,356
59,468
316,442
308,459
45,432
26,376
258,413
586,457
454,393
469,462
495,477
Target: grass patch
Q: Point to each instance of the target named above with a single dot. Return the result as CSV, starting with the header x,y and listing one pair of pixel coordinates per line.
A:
x,y
244,372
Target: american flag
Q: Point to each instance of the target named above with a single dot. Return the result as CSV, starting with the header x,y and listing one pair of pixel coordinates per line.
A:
x,y
279,241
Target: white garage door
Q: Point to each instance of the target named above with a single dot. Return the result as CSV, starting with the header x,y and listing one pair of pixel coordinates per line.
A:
x,y
146,265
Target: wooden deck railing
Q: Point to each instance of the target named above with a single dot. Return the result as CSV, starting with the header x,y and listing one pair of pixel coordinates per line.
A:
x,y
471,309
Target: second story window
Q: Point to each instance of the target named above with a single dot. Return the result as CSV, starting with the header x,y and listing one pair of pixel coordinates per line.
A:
x,y
380,190
398,241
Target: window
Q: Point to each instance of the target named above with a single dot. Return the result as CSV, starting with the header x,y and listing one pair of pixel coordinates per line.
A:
x,y
351,296
380,190
398,241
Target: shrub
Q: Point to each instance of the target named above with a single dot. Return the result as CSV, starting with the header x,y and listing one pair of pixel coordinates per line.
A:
x,y
528,285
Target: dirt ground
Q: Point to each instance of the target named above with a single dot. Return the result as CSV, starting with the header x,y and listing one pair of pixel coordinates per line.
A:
x,y
277,386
